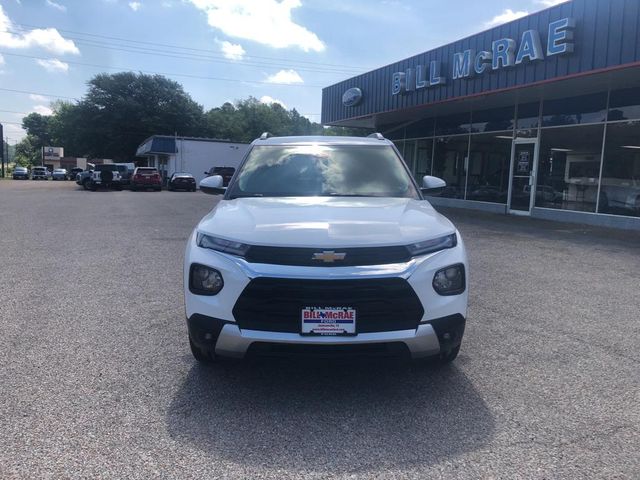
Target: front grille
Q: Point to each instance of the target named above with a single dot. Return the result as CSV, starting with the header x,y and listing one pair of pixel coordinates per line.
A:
x,y
304,256
275,305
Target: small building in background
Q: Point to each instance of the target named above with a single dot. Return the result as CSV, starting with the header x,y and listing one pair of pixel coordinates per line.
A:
x,y
190,154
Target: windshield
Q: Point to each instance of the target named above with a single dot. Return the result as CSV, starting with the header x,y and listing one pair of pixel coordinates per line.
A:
x,y
323,170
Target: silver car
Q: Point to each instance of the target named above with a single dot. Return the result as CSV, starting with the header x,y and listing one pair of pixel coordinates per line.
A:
x,y
59,174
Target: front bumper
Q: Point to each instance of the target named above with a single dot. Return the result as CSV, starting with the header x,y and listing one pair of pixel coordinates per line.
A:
x,y
228,340
222,324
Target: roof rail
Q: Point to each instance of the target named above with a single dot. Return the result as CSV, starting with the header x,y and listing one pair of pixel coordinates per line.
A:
x,y
376,135
265,135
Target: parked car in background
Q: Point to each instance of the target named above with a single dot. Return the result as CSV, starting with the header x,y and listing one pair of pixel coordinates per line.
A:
x,y
20,173
39,173
73,173
105,175
126,172
225,172
182,181
59,174
146,177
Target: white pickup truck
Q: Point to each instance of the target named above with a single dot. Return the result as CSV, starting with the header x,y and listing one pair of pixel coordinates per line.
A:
x,y
106,176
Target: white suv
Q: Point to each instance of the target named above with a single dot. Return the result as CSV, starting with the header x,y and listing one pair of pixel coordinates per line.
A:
x,y
324,245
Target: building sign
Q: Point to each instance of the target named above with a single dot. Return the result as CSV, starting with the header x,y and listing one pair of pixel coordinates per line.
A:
x,y
53,153
352,97
504,53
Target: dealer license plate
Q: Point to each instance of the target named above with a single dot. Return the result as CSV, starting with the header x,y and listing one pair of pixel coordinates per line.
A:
x,y
328,321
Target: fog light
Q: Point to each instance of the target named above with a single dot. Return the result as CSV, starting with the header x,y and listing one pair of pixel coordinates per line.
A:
x,y
205,280
449,280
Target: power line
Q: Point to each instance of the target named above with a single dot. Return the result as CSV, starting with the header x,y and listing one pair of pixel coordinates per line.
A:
x,y
288,60
35,93
206,58
199,57
216,79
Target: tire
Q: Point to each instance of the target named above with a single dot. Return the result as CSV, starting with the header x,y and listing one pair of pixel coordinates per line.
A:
x,y
159,189
133,188
200,355
85,183
449,356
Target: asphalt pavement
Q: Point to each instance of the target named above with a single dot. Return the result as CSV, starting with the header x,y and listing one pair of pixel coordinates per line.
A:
x,y
96,377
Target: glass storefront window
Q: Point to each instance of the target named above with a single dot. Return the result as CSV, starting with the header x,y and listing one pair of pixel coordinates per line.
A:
x,y
393,133
410,154
620,190
420,129
489,160
624,104
449,162
453,124
528,120
569,168
424,151
494,120
575,110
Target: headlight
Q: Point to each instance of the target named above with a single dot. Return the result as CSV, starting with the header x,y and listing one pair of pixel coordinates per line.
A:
x,y
222,245
449,280
204,280
433,245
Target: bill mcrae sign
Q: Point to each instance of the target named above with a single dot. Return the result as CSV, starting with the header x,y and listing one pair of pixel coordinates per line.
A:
x,y
503,54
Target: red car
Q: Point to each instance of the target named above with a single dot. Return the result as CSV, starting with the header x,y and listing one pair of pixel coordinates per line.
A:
x,y
146,177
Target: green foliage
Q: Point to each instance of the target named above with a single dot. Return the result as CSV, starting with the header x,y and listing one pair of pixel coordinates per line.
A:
x,y
28,152
37,126
120,110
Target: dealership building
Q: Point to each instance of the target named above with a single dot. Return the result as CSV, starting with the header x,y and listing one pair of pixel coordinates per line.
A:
x,y
539,116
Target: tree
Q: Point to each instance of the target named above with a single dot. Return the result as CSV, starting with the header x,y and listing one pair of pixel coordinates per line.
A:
x,y
119,111
37,126
28,152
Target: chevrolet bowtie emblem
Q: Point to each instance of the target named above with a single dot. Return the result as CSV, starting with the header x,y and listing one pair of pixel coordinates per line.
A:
x,y
328,256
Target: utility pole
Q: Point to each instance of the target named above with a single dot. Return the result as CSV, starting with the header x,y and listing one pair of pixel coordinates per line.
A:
x,y
6,146
2,149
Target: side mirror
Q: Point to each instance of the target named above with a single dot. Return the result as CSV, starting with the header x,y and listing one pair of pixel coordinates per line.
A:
x,y
213,185
206,173
432,185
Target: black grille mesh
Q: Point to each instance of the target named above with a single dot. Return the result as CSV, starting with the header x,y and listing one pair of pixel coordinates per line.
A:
x,y
274,304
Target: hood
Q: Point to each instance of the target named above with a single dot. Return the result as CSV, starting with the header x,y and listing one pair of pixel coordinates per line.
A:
x,y
325,221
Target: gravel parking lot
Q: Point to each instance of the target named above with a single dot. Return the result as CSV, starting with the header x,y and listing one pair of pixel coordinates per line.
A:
x,y
97,380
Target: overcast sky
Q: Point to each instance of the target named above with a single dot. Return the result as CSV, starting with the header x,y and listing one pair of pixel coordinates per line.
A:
x,y
222,50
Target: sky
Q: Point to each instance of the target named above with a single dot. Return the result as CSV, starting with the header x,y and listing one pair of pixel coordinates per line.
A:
x,y
222,50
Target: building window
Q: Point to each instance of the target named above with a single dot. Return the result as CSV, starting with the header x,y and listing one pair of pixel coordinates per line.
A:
x,y
453,124
410,154
495,120
420,129
489,159
575,110
624,104
449,162
569,168
528,120
620,190
423,162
